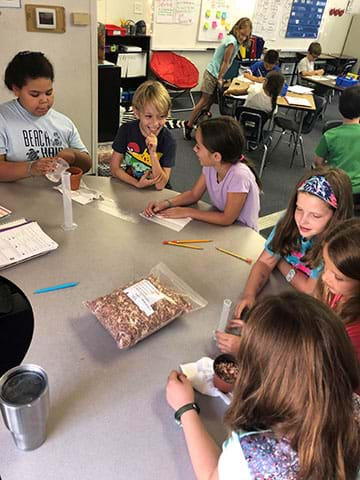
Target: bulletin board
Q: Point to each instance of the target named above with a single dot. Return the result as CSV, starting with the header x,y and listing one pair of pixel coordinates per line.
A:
x,y
185,31
305,19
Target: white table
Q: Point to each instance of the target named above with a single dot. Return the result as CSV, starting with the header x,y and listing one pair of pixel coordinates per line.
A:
x,y
109,418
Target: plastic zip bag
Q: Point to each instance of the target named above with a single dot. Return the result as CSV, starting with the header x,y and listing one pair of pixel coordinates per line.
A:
x,y
142,307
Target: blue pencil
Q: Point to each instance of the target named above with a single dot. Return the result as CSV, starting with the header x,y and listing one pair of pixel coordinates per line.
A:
x,y
56,287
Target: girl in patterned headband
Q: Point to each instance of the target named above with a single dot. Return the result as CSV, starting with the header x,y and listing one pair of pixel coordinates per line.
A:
x,y
321,199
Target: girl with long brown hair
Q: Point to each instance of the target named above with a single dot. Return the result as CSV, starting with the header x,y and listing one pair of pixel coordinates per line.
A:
x,y
297,372
321,199
339,286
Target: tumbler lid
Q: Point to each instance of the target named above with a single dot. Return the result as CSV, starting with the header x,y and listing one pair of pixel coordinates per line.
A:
x,y
22,385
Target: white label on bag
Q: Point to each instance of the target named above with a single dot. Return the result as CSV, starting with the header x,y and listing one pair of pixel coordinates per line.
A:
x,y
144,294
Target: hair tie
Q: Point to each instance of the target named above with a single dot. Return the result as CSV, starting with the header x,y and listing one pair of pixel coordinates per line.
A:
x,y
242,158
320,187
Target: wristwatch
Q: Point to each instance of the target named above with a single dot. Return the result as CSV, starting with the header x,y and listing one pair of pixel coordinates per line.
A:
x,y
291,274
185,408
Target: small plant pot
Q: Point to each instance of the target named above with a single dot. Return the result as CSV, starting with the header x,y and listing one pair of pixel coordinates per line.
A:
x,y
225,372
75,177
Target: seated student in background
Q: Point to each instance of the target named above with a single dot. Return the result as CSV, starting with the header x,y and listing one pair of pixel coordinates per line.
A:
x,y
319,201
260,69
297,371
32,133
232,184
306,66
264,96
339,285
144,150
213,76
340,146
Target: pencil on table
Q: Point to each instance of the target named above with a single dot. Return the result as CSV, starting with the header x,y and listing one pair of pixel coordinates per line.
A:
x,y
176,244
233,254
186,241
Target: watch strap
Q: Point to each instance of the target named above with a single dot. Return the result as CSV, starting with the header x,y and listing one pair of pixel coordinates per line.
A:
x,y
185,408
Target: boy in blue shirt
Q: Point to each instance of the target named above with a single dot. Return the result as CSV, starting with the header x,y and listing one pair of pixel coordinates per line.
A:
x,y
144,150
258,70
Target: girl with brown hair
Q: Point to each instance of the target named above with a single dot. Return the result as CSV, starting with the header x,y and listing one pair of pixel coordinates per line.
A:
x,y
321,199
296,373
339,286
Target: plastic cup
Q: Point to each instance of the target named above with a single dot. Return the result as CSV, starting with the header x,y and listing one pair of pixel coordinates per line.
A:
x,y
60,166
24,404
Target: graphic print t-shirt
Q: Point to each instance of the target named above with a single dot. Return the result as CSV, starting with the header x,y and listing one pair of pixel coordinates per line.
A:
x,y
27,137
131,143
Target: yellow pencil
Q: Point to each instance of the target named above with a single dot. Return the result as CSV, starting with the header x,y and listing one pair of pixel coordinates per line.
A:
x,y
176,244
187,241
233,254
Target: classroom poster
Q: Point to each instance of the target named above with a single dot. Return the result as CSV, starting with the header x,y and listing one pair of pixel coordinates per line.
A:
x,y
175,11
215,20
267,15
305,18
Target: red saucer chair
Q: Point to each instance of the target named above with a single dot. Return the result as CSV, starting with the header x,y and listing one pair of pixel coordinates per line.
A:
x,y
177,74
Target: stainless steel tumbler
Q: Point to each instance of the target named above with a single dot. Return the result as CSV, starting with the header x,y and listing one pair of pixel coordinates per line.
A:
x,y
24,404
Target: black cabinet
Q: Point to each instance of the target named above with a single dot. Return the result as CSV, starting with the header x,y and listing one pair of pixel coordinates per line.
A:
x,y
113,47
108,101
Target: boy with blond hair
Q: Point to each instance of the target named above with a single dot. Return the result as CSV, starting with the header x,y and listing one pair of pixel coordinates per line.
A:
x,y
144,150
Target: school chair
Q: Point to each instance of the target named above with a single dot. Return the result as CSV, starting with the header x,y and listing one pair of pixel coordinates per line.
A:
x,y
331,124
177,73
253,122
16,325
291,126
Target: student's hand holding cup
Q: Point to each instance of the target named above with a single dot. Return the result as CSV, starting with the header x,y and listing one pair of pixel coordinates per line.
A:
x,y
42,166
246,302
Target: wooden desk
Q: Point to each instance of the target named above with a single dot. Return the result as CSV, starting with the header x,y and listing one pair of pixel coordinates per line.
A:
x,y
329,83
281,102
109,418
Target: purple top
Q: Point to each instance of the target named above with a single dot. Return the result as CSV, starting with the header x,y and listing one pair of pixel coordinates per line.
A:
x,y
238,179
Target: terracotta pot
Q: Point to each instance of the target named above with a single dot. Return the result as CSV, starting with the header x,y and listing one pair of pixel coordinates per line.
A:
x,y
76,174
222,384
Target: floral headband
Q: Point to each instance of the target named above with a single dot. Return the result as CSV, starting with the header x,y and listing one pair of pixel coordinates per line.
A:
x,y
319,186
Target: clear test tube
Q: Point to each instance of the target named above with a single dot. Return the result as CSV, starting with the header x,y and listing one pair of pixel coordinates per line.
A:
x,y
67,202
224,317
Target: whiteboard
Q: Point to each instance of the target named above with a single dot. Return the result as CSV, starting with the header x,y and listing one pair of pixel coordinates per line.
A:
x,y
270,19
